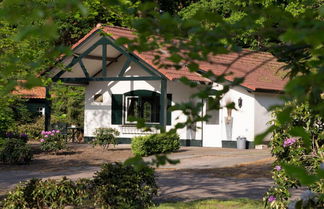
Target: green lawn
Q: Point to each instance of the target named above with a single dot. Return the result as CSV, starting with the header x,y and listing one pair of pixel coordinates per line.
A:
x,y
214,204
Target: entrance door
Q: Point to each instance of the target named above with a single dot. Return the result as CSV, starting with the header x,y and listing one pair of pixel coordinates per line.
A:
x,y
212,128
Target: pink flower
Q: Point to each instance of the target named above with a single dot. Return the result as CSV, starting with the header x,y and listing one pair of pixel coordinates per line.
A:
x,y
52,134
42,140
277,167
290,141
57,131
53,131
43,132
271,198
46,136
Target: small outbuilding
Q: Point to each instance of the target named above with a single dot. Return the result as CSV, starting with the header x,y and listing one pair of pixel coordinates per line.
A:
x,y
35,98
121,84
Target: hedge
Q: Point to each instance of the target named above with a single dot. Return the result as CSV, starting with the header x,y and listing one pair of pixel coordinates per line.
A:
x,y
155,144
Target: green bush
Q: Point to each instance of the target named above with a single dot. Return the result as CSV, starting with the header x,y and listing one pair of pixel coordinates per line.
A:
x,y
32,130
50,193
123,186
155,144
105,137
6,121
15,151
115,186
52,141
291,149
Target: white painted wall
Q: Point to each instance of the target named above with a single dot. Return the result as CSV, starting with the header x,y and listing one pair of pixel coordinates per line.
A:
x,y
242,123
98,114
263,101
243,118
248,120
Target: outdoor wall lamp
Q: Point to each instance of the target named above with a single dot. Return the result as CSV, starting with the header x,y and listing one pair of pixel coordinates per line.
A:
x,y
239,102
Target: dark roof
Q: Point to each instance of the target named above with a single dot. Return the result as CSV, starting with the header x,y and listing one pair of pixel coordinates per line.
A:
x,y
260,68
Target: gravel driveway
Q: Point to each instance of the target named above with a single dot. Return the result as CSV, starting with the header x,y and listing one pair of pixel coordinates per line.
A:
x,y
188,180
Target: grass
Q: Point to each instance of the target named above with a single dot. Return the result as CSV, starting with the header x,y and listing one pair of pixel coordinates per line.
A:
x,y
214,204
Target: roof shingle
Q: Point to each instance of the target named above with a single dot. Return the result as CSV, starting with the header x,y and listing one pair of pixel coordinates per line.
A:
x,y
33,93
261,69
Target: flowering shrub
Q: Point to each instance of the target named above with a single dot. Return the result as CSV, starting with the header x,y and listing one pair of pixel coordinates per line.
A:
x,y
289,142
298,146
52,141
12,135
15,151
32,129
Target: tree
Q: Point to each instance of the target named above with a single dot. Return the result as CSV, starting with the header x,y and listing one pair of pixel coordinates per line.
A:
x,y
290,30
31,44
67,104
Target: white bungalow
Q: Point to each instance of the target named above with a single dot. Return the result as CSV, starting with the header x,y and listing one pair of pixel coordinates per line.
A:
x,y
120,84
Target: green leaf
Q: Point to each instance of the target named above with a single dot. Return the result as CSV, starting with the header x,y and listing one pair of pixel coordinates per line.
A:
x,y
284,116
300,131
259,138
300,173
137,162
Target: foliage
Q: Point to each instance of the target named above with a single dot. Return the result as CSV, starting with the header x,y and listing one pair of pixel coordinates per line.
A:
x,y
288,29
124,186
114,186
52,141
105,136
6,119
15,151
14,135
50,193
13,111
207,204
297,143
32,129
308,200
155,144
67,104
292,33
74,25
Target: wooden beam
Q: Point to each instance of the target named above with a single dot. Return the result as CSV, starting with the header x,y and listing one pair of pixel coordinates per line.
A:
x,y
48,105
77,59
97,73
84,80
163,105
94,57
152,72
104,61
123,70
84,69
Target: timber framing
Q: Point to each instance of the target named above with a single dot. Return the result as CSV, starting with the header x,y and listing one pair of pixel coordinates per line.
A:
x,y
93,57
101,74
104,42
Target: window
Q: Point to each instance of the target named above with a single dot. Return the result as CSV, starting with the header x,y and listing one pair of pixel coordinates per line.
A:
x,y
40,110
98,98
146,107
139,104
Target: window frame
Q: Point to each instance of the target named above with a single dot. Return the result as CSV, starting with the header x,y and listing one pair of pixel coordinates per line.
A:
x,y
140,100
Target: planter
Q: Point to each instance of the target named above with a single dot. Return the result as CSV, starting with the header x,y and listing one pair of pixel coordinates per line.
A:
x,y
233,144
